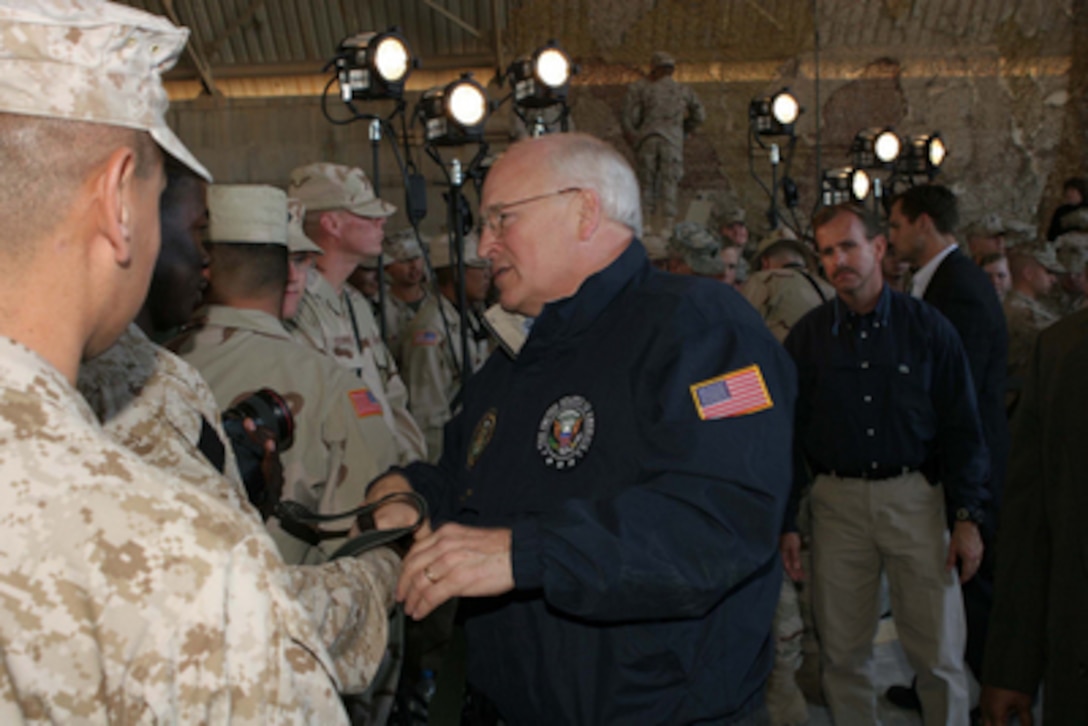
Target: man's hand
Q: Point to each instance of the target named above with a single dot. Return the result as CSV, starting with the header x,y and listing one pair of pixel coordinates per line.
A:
x,y
998,703
271,466
966,546
455,561
395,514
790,547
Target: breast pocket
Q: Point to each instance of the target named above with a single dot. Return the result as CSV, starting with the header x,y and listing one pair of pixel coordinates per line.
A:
x,y
909,383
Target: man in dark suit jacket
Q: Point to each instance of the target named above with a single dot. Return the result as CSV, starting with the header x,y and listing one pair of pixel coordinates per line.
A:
x,y
1040,631
922,222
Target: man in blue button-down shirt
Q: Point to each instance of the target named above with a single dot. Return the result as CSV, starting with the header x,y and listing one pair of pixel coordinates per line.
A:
x,y
888,425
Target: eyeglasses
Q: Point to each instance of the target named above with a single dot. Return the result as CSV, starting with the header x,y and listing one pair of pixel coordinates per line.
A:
x,y
494,217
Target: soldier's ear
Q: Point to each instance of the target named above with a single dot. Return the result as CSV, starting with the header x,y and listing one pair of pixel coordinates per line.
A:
x,y
114,197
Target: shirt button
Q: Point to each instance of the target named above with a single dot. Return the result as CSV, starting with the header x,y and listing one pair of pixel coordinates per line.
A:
x,y
867,399
865,364
871,432
876,325
875,465
864,335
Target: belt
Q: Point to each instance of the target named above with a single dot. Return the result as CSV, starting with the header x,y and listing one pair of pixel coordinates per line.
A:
x,y
883,472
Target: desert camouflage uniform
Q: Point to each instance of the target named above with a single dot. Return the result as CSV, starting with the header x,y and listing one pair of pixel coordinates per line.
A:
x,y
328,322
398,316
433,376
129,596
783,296
340,442
1026,317
658,114
151,402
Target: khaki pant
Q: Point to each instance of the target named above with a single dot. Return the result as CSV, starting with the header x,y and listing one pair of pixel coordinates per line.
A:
x,y
896,525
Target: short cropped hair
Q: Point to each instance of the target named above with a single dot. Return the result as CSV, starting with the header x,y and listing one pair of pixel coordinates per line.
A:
x,y
933,199
587,162
45,161
825,215
247,270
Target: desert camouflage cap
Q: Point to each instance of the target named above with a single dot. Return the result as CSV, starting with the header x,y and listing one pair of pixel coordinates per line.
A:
x,y
1075,221
662,59
297,241
1072,251
247,214
989,226
321,186
782,236
92,61
726,211
698,247
440,251
1044,254
401,246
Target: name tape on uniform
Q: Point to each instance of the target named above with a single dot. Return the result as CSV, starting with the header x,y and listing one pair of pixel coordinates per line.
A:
x,y
738,393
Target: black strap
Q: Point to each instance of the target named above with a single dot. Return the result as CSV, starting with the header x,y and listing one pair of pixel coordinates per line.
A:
x,y
815,285
298,521
213,448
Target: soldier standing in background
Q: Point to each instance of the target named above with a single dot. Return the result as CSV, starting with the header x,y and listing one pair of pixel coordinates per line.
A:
x,y
405,290
657,114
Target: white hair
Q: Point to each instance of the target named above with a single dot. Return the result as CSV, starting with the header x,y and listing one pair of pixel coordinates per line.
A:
x,y
588,162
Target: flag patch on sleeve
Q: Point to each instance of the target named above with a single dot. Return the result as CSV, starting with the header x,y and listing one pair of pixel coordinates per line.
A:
x,y
364,403
735,394
425,338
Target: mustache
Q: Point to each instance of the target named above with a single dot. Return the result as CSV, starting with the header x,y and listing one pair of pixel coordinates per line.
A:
x,y
842,270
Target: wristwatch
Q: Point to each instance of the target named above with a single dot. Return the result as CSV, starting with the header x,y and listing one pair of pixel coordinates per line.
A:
x,y
963,514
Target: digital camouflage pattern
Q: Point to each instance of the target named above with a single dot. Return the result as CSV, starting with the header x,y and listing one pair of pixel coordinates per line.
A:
x,y
340,442
151,402
328,323
129,595
88,60
432,371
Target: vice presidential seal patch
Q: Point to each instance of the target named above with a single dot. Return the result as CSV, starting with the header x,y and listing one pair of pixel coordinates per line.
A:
x,y
566,432
481,436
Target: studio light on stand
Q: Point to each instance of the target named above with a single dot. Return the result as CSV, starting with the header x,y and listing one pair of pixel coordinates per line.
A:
x,y
925,154
877,150
456,115
539,82
774,116
373,66
845,184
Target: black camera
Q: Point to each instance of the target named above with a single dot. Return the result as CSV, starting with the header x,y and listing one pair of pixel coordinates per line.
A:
x,y
268,410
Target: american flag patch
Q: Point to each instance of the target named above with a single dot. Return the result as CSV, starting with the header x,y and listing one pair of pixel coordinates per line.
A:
x,y
425,337
364,403
734,394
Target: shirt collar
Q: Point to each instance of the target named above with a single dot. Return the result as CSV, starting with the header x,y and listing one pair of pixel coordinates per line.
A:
x,y
920,281
881,313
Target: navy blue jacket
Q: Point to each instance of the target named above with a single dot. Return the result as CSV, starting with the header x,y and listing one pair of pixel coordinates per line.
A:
x,y
644,537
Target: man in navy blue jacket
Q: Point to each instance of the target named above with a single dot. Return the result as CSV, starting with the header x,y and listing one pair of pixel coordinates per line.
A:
x,y
608,501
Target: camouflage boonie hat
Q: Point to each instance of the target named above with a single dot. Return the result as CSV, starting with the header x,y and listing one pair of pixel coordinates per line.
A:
x,y
697,247
1075,221
440,251
1018,233
1044,254
401,246
726,212
1072,251
91,61
323,186
662,59
297,241
247,214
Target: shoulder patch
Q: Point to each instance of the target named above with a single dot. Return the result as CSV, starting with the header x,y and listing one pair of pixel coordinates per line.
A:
x,y
364,403
425,338
737,393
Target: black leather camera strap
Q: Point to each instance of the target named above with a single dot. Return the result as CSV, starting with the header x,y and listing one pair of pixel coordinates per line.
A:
x,y
298,521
